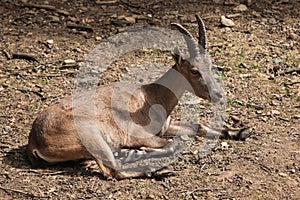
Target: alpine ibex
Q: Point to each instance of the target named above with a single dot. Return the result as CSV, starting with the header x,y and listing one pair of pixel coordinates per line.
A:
x,y
55,136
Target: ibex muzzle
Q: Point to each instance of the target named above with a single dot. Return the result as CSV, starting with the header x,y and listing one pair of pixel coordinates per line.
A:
x,y
55,137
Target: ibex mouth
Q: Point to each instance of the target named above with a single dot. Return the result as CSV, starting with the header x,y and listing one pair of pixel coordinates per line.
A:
x,y
217,97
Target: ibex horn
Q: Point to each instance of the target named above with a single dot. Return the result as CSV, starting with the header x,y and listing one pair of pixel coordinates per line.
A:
x,y
201,33
191,43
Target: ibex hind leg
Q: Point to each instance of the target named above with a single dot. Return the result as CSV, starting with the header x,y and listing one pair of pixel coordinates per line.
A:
x,y
133,155
91,137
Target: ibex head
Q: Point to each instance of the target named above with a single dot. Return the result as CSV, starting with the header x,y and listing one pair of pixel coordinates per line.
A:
x,y
197,68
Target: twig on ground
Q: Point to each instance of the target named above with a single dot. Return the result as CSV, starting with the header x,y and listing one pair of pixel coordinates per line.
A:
x,y
45,7
265,168
207,189
106,2
80,27
21,192
31,91
7,55
24,56
38,6
200,190
289,71
293,83
47,173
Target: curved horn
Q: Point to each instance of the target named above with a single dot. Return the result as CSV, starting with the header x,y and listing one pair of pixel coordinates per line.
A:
x,y
190,41
201,33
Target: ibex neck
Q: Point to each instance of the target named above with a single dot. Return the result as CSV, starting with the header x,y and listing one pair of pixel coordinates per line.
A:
x,y
167,90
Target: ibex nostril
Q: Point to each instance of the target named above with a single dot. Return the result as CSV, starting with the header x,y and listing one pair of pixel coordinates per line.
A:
x,y
219,95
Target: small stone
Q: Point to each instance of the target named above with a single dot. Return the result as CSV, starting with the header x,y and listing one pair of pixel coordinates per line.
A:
x,y
218,1
69,61
277,96
230,2
272,21
275,112
227,22
264,119
224,145
245,75
50,41
240,8
184,137
227,29
256,14
150,196
276,60
130,19
125,69
296,116
233,15
235,118
98,38
77,50
282,174
54,18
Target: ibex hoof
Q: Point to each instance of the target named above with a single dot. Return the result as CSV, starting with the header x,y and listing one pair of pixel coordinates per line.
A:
x,y
242,134
164,172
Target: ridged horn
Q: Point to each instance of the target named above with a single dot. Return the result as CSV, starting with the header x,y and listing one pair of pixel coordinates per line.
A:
x,y
189,39
201,33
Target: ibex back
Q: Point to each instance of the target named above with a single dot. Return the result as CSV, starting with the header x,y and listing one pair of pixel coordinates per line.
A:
x,y
56,138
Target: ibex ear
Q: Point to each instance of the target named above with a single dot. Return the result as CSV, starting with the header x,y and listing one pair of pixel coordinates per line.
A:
x,y
176,55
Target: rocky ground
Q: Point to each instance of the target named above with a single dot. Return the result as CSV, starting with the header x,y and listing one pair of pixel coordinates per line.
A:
x,y
43,44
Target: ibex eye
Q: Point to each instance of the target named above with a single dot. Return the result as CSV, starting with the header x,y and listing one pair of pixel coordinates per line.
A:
x,y
195,72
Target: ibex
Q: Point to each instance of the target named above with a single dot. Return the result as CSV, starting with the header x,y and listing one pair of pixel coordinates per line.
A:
x,y
55,137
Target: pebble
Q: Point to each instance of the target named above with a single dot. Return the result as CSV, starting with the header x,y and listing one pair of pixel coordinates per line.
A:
x,y
293,36
184,137
276,60
272,21
54,18
233,15
248,2
240,8
224,145
98,38
130,19
50,41
218,1
296,116
150,196
69,61
227,22
245,75
235,118
275,112
282,174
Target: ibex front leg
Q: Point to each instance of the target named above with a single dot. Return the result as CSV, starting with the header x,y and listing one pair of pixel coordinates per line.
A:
x,y
205,130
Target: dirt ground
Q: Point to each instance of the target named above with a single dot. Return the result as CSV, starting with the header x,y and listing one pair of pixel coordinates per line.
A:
x,y
260,61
